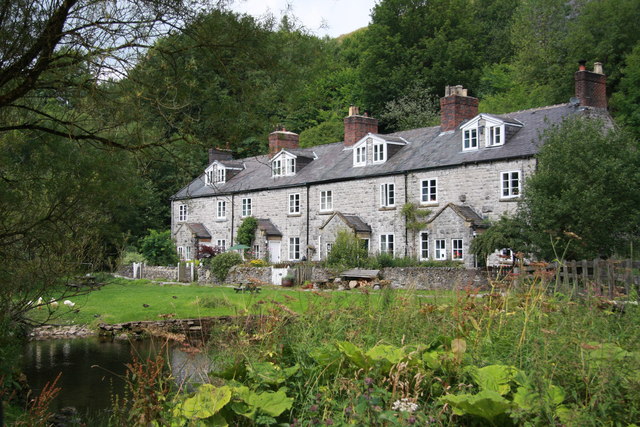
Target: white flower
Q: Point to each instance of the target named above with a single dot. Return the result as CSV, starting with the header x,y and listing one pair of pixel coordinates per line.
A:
x,y
404,405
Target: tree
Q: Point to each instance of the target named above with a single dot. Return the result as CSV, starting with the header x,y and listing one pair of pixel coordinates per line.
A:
x,y
158,248
45,44
626,102
347,250
583,198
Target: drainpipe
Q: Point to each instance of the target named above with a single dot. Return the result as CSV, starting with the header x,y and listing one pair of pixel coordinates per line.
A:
x,y
307,242
232,216
406,200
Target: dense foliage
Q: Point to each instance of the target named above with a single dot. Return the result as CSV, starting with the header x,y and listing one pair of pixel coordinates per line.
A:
x,y
581,203
158,248
222,263
246,231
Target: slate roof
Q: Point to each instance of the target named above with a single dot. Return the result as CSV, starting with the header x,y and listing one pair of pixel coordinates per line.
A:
x,y
199,230
465,212
352,221
269,229
428,148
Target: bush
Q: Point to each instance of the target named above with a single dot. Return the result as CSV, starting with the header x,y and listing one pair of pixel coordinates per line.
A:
x,y
221,264
206,253
258,263
131,256
247,231
158,248
347,250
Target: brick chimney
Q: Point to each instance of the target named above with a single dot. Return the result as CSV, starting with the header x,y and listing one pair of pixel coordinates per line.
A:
x,y
357,126
456,107
282,139
219,154
591,86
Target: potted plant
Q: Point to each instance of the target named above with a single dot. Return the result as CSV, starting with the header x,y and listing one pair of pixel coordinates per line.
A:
x,y
288,279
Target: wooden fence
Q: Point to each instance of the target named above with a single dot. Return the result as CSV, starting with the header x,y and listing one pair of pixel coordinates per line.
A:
x,y
610,277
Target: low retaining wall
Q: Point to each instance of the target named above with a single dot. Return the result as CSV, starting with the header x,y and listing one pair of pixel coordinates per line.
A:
x,y
432,278
400,277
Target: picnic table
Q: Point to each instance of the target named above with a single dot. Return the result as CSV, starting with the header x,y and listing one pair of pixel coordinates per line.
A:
x,y
87,280
247,287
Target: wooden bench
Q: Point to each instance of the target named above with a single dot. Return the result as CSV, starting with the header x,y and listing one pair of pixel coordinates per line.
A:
x,y
247,288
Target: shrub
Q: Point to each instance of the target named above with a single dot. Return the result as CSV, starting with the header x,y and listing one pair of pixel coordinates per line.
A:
x,y
205,253
131,256
158,248
347,250
221,264
247,231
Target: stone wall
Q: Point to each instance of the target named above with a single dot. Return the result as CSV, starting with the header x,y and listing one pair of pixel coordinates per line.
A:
x,y
434,277
160,273
237,274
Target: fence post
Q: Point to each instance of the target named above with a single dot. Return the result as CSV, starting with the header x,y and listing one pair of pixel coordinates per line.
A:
x,y
611,282
628,276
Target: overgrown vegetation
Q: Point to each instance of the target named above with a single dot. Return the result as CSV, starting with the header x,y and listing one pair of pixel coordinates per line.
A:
x,y
247,230
158,248
222,263
522,357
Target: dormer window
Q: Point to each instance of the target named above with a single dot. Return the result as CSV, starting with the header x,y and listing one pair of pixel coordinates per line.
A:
x,y
220,174
360,156
276,168
379,152
291,166
470,139
376,149
284,164
215,174
495,136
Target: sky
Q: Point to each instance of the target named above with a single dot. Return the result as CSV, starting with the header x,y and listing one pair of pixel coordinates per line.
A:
x,y
321,17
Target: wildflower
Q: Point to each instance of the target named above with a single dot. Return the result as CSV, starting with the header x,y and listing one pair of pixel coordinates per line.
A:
x,y
404,405
313,408
368,381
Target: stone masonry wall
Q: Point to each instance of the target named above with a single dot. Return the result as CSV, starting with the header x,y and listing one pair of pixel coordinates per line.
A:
x,y
160,273
434,278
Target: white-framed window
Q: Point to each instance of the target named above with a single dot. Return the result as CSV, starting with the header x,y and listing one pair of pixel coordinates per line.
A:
x,y
221,209
246,207
221,175
495,136
441,249
256,251
294,204
424,245
429,190
276,168
326,201
183,213
210,176
510,184
387,195
386,244
187,252
290,166
360,155
222,244
456,249
181,252
470,139
294,248
329,247
379,152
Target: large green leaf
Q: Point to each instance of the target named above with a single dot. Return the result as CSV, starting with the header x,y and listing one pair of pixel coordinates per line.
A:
x,y
206,402
325,355
487,404
432,359
494,377
354,354
270,373
268,402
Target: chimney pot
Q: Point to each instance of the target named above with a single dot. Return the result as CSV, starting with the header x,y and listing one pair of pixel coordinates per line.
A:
x,y
597,68
582,65
353,110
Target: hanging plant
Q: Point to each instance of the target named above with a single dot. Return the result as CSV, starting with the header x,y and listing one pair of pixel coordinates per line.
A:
x,y
247,231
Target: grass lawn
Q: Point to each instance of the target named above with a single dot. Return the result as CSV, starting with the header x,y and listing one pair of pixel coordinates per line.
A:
x,y
122,300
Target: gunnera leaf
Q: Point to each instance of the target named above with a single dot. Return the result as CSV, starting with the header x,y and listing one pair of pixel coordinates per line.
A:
x,y
487,404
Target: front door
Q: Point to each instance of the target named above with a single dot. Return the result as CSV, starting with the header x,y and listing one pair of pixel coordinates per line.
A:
x,y
274,251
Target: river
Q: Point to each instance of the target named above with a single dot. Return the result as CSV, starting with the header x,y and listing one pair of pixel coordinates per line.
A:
x,y
93,369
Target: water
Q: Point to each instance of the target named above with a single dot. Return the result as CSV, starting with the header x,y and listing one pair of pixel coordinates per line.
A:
x,y
93,370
